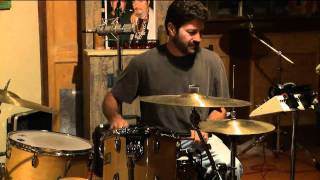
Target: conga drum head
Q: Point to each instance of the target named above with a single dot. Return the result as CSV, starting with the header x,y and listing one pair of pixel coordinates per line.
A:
x,y
51,143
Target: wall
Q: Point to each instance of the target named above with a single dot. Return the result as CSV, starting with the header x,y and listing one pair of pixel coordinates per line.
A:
x,y
62,52
19,57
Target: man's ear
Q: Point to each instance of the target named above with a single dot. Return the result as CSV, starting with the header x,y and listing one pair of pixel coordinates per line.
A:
x,y
171,29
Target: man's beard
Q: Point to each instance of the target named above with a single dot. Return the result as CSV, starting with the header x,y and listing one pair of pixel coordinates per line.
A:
x,y
190,48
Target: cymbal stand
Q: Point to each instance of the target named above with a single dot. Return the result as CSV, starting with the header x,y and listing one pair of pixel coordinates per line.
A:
x,y
294,117
195,120
2,165
233,111
5,89
279,53
130,165
119,48
293,145
277,116
277,121
233,148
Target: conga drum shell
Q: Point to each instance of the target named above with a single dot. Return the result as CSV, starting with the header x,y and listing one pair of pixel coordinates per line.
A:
x,y
157,162
28,158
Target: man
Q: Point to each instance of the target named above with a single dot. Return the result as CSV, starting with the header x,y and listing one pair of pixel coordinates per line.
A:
x,y
114,3
124,18
171,69
143,16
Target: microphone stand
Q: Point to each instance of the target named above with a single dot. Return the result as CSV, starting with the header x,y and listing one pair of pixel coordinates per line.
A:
x,y
253,34
294,117
130,158
195,120
119,48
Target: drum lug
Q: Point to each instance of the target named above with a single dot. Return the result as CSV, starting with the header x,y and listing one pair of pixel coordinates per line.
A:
x,y
8,153
156,146
156,178
117,144
35,160
178,145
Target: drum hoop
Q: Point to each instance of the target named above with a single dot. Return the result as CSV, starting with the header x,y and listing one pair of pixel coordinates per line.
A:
x,y
148,131
47,151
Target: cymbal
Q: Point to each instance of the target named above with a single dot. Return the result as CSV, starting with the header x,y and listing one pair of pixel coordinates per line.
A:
x,y
12,98
236,127
194,100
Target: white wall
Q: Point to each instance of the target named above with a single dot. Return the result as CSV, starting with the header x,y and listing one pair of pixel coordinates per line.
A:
x,y
19,57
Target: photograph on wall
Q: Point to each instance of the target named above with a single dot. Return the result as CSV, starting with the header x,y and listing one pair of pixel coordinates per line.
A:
x,y
140,13
5,4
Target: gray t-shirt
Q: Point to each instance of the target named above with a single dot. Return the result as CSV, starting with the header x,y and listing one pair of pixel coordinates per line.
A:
x,y
157,72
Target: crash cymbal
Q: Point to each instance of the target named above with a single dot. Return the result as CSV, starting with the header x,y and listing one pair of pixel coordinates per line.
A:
x,y
11,98
236,127
194,100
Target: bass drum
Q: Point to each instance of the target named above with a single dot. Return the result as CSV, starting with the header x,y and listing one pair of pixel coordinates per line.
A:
x,y
46,155
153,151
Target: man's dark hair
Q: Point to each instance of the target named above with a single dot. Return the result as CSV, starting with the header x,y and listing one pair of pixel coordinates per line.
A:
x,y
181,12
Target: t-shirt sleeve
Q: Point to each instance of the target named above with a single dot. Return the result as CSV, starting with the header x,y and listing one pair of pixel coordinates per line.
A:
x,y
127,84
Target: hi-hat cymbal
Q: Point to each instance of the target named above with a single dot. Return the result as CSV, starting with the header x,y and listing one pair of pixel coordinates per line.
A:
x,y
194,100
236,127
11,98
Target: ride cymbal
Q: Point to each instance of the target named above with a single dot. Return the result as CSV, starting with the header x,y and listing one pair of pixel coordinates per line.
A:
x,y
236,127
12,98
194,100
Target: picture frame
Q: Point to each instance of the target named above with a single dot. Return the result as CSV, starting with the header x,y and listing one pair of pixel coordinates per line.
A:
x,y
5,4
141,14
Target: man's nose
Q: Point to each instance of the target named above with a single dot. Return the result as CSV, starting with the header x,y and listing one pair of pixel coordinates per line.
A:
x,y
197,37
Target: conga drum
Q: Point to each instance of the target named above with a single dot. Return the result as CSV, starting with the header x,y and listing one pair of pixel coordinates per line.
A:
x,y
46,155
153,152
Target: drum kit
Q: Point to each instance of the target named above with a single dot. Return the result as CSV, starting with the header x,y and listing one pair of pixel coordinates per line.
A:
x,y
128,153
152,153
232,127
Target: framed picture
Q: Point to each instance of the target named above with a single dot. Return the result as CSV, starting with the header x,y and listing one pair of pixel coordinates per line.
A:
x,y
5,4
140,13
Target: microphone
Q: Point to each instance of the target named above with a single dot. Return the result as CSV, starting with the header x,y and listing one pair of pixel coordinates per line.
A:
x,y
318,69
105,29
250,26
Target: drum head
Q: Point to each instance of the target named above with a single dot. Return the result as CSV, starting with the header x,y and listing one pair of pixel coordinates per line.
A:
x,y
49,142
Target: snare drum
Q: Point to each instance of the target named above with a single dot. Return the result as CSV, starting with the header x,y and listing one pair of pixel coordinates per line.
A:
x,y
153,151
46,155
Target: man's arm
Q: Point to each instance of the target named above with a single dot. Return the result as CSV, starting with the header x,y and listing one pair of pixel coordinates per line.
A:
x,y
111,111
217,114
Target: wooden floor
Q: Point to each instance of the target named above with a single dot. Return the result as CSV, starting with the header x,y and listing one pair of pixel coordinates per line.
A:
x,y
276,166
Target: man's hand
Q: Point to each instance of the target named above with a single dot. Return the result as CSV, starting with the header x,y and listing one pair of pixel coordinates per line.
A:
x,y
118,123
196,138
110,110
217,114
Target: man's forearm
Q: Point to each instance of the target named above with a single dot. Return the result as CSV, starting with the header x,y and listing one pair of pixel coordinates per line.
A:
x,y
110,107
